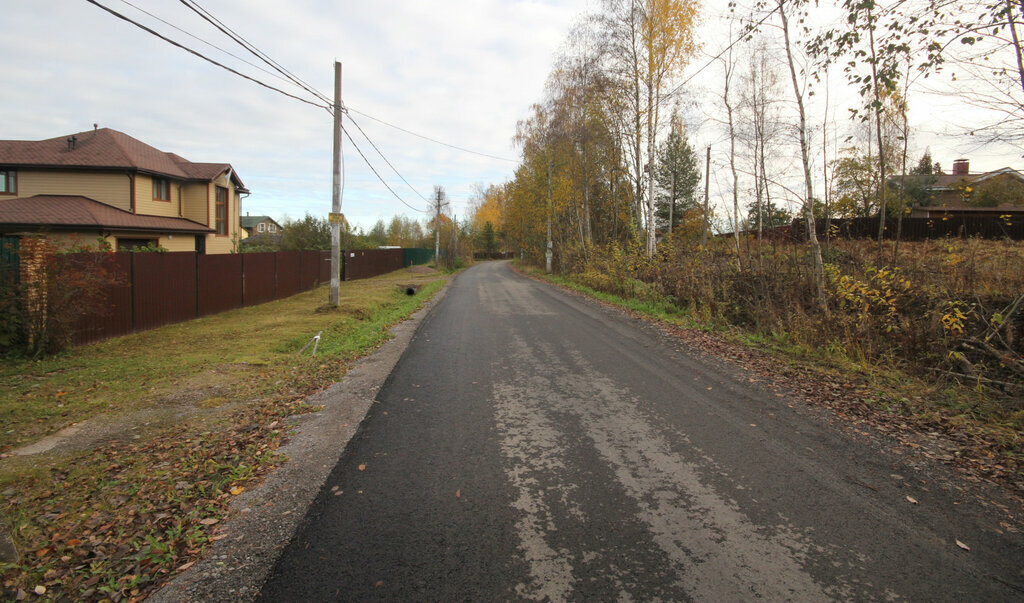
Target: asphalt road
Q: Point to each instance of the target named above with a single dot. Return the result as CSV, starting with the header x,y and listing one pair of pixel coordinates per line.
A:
x,y
531,444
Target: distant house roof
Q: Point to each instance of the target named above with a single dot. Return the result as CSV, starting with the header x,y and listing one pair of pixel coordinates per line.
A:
x,y
73,212
947,182
252,221
104,148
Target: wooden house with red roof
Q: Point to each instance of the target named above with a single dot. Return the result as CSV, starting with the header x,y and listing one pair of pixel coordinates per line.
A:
x,y
104,183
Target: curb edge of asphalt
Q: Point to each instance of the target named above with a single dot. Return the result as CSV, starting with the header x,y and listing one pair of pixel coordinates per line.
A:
x,y
263,520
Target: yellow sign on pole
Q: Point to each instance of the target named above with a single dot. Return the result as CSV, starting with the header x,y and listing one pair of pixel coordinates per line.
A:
x,y
335,218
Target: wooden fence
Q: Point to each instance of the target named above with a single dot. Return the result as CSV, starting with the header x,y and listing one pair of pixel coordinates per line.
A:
x,y
149,290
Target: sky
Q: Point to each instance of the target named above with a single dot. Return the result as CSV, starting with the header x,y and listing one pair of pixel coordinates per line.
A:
x,y
462,72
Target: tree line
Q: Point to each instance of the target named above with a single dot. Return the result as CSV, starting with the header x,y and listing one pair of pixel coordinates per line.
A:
x,y
807,106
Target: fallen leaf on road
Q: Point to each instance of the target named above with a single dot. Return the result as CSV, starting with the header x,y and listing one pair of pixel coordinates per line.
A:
x,y
185,566
912,500
362,467
40,590
237,490
458,493
209,521
963,546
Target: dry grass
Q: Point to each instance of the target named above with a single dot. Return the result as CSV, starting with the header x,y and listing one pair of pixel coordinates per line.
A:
x,y
177,421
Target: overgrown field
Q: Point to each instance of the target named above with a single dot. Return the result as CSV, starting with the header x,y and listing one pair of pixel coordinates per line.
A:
x,y
174,423
946,315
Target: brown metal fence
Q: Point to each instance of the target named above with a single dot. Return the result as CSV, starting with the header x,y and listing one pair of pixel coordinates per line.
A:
x,y
116,295
219,288
148,290
163,288
366,263
289,267
259,275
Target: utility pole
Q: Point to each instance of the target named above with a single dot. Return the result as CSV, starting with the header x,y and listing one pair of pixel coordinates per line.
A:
x,y
672,202
336,192
707,181
438,198
549,252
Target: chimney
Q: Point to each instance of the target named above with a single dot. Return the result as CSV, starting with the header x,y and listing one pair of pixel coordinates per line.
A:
x,y
72,140
961,167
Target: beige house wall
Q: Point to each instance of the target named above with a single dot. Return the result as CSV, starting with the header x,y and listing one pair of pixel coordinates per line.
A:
x,y
195,200
146,205
112,188
178,242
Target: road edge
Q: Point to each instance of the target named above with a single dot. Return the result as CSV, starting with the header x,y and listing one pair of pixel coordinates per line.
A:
x,y
264,519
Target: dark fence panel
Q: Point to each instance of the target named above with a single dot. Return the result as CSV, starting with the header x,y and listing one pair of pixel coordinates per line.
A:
x,y
310,273
219,282
289,273
325,266
417,256
116,316
164,289
366,263
258,277
494,255
917,229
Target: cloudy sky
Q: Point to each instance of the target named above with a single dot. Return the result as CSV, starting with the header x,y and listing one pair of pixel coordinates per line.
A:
x,y
457,71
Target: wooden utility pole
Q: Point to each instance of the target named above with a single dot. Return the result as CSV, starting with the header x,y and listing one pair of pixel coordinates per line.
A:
x,y
336,192
438,198
707,182
549,252
672,202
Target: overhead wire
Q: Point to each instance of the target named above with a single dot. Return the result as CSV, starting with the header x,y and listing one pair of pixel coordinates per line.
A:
x,y
724,50
241,41
284,75
385,158
376,173
434,140
199,54
210,44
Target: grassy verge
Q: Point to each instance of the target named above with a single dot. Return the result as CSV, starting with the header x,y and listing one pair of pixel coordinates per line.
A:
x,y
983,428
178,421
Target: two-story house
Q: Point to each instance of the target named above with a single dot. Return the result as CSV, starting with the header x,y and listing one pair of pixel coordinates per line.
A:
x,y
259,225
104,183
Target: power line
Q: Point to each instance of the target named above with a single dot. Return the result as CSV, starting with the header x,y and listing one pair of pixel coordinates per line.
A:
x,y
725,50
199,54
209,18
210,44
376,173
434,140
385,158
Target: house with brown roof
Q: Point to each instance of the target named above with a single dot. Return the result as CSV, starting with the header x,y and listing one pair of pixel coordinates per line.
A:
x,y
961,188
104,183
258,225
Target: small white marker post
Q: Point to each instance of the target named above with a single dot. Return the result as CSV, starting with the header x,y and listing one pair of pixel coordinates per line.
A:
x,y
315,341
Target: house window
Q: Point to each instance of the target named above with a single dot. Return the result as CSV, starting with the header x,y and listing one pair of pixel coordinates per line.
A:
x,y
221,211
262,226
272,227
135,244
161,189
8,182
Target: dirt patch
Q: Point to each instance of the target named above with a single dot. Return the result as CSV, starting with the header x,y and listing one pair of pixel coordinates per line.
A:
x,y
203,395
422,270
